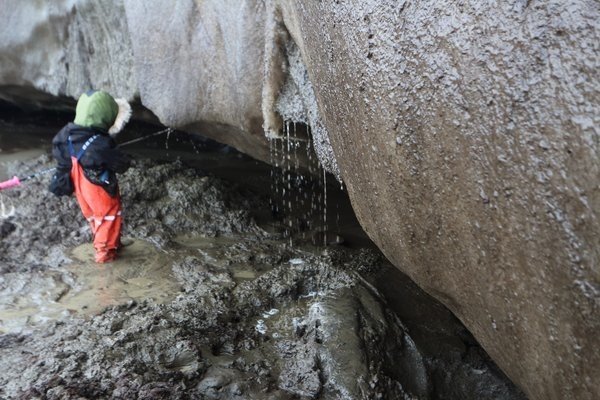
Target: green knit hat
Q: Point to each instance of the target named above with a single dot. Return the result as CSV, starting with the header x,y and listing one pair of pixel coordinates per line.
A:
x,y
96,109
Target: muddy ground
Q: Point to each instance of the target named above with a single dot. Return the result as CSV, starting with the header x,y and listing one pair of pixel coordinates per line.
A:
x,y
208,303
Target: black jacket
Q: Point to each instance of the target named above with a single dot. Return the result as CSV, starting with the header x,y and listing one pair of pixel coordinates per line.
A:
x,y
102,155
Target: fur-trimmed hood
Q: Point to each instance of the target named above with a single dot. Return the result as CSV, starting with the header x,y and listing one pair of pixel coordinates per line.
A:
x,y
98,109
123,116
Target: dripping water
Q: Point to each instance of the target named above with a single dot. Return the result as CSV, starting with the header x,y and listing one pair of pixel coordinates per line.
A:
x,y
289,180
297,175
299,198
194,145
337,216
169,130
324,207
272,175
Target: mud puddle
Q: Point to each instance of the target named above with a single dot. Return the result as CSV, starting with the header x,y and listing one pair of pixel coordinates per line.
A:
x,y
84,287
140,273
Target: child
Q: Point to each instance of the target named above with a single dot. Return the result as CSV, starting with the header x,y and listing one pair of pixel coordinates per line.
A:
x,y
88,160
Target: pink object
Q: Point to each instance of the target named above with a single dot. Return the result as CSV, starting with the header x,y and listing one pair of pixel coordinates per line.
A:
x,y
10,183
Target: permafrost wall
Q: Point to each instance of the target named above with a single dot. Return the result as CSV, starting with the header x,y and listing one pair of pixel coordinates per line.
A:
x,y
466,134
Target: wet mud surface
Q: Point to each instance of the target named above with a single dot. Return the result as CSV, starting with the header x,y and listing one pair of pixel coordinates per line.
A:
x,y
211,301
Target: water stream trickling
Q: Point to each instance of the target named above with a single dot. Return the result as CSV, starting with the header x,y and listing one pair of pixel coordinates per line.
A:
x,y
299,192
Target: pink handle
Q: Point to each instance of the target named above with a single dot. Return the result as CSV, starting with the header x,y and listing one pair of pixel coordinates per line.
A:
x,y
10,183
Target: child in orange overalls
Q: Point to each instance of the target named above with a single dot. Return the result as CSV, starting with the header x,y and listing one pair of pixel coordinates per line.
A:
x,y
87,154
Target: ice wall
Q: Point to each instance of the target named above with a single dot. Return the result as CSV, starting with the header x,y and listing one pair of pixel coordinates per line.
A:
x,y
465,132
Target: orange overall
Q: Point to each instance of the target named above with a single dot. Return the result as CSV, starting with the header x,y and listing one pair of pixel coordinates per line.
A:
x,y
102,211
